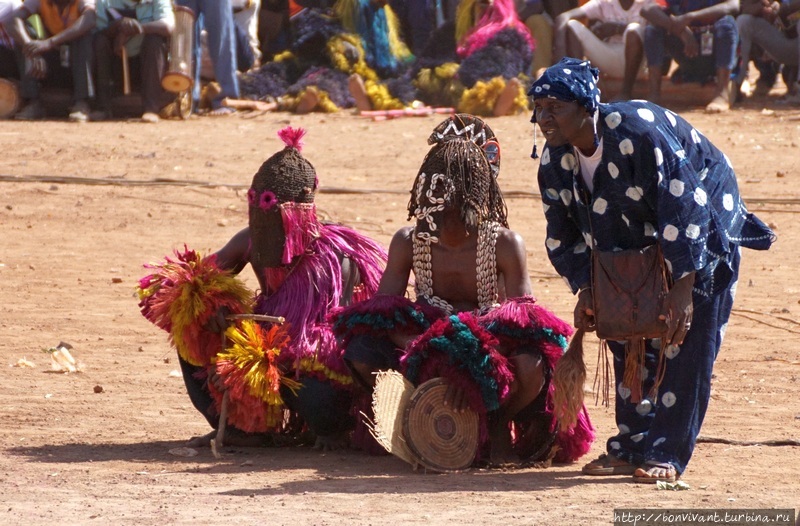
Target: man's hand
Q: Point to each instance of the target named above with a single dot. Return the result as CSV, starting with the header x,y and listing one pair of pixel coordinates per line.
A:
x,y
678,310
584,310
678,24
37,67
217,322
604,30
771,11
690,46
130,27
119,42
36,48
216,380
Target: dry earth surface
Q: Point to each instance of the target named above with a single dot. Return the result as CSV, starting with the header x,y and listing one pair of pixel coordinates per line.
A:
x,y
71,252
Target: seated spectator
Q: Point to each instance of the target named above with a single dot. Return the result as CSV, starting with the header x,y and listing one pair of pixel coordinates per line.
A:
x,y
143,28
771,27
245,16
613,40
8,58
539,16
700,37
62,55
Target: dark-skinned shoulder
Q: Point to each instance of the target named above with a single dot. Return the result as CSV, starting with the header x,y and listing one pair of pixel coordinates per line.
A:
x,y
398,267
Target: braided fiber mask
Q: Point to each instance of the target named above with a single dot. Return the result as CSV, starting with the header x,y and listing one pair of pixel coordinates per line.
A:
x,y
282,214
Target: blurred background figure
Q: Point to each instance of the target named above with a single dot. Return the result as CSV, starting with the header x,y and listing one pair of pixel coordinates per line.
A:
x,y
539,17
216,17
701,36
143,29
59,53
768,36
8,58
613,39
248,47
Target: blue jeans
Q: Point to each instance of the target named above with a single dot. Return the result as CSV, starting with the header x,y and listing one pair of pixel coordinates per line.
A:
x,y
754,30
659,45
216,16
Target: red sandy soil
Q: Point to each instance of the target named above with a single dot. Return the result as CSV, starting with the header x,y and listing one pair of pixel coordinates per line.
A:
x,y
71,252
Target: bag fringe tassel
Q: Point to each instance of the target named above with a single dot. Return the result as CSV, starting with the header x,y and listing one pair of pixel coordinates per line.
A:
x,y
569,378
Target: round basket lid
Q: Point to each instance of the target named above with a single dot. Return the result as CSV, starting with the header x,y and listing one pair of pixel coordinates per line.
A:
x,y
389,399
440,438
9,98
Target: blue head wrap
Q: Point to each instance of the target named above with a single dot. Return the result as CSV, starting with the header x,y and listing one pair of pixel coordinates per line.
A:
x,y
569,80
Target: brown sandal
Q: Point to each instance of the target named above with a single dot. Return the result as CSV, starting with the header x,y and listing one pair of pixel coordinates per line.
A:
x,y
606,465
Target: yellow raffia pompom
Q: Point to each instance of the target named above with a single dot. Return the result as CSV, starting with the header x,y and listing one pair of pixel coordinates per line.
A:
x,y
481,98
146,292
439,85
337,46
283,56
325,103
380,97
521,101
254,352
311,365
182,293
447,70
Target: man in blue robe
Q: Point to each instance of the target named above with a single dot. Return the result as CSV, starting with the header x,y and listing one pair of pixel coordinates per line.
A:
x,y
627,175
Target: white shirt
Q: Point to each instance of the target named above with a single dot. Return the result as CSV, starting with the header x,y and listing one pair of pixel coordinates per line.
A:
x,y
589,164
611,11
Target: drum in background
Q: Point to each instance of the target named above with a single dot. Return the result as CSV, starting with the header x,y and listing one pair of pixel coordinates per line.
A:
x,y
9,98
178,77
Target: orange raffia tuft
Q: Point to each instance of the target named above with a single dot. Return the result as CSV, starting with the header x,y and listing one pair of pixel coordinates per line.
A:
x,y
180,296
292,137
250,372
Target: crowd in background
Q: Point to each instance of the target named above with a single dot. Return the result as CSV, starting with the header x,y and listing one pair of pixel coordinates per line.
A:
x,y
476,56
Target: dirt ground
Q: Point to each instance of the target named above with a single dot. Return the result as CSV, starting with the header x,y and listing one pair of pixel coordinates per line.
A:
x,y
72,248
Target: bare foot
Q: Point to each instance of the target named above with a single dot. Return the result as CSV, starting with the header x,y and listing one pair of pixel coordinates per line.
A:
x,y
719,105
201,441
332,442
359,92
501,452
222,111
506,99
654,472
722,102
308,101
